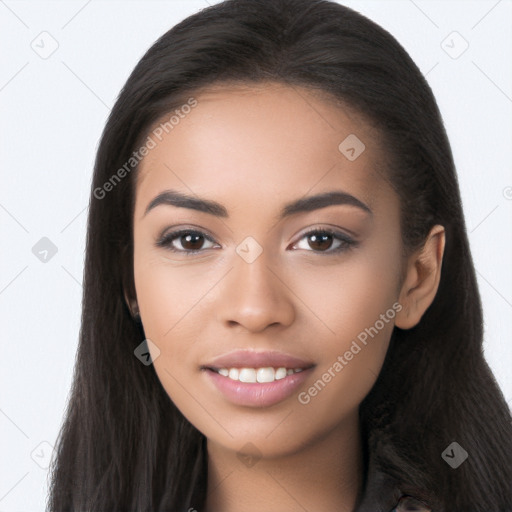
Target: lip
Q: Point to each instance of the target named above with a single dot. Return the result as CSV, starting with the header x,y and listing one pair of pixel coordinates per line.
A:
x,y
254,359
257,394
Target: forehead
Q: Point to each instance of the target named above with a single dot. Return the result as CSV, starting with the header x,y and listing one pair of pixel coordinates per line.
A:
x,y
243,144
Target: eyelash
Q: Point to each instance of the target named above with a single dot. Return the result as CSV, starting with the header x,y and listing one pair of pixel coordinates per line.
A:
x,y
166,241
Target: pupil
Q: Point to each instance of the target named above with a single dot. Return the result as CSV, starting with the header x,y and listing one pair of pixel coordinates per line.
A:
x,y
319,240
195,244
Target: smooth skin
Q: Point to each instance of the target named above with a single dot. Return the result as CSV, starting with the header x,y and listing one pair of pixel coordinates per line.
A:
x,y
254,149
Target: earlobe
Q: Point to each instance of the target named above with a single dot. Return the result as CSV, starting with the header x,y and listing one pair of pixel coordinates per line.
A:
x,y
422,279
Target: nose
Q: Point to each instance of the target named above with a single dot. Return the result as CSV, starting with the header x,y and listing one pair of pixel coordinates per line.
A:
x,y
255,296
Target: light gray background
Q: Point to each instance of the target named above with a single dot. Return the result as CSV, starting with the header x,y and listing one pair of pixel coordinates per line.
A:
x,y
53,111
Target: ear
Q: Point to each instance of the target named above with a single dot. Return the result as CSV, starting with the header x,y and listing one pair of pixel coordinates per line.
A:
x,y
130,297
422,279
132,304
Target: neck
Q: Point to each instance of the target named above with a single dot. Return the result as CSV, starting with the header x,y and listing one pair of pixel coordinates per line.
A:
x,y
324,476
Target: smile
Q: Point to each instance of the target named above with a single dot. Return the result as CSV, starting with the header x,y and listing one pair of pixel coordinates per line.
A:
x,y
260,375
256,387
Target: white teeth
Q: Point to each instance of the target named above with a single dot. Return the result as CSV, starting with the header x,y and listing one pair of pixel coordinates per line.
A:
x,y
247,375
280,373
265,375
253,375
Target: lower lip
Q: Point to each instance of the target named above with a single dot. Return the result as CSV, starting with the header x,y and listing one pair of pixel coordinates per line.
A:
x,y
258,394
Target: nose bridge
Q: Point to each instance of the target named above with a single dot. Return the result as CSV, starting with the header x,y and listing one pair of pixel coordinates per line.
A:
x,y
255,296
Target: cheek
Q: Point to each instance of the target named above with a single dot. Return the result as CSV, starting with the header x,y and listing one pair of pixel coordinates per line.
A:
x,y
158,300
351,358
165,292
351,305
348,296
173,298
166,298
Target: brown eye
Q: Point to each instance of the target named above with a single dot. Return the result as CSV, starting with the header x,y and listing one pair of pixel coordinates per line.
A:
x,y
320,242
191,242
326,241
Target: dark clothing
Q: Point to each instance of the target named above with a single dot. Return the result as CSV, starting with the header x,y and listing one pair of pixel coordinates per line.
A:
x,y
410,504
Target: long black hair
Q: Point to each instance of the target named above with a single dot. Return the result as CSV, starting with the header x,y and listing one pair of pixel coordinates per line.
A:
x,y
123,444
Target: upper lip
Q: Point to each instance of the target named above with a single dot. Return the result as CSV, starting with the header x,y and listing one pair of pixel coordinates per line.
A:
x,y
254,359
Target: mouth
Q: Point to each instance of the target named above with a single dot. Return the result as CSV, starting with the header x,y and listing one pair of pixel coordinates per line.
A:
x,y
253,375
257,379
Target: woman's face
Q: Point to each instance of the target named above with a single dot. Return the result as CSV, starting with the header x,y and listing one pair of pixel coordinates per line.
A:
x,y
257,280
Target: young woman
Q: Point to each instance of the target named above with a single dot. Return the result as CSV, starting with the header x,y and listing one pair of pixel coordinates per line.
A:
x,y
280,308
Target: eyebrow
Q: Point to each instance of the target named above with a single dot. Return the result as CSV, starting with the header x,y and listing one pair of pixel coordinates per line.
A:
x,y
306,204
